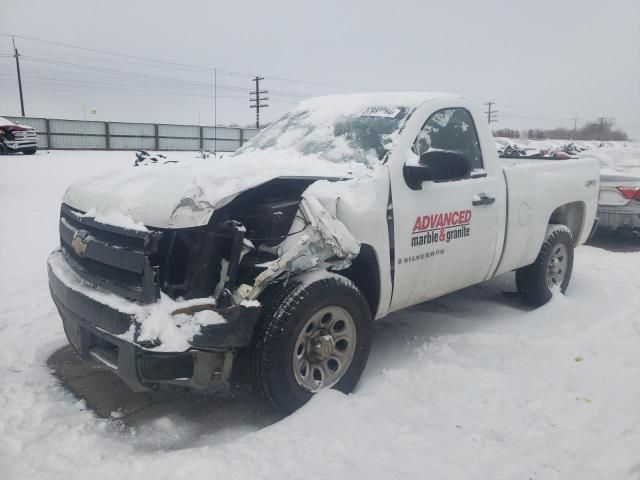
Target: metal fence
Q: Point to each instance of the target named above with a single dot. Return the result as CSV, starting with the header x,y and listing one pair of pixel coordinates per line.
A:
x,y
56,133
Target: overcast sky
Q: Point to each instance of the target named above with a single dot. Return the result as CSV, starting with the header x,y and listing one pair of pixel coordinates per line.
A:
x,y
540,61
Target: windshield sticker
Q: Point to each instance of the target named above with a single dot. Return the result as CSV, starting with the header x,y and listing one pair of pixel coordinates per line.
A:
x,y
441,227
381,111
442,118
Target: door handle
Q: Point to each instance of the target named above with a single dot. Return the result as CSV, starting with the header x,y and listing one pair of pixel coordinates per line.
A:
x,y
483,199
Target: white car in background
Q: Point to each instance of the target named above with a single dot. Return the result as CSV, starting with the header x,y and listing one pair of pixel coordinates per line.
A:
x,y
17,138
619,204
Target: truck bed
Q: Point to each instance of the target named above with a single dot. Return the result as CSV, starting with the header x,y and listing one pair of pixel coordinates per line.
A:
x,y
535,189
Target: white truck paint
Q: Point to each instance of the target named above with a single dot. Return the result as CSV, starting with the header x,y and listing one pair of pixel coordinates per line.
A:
x,y
389,200
503,236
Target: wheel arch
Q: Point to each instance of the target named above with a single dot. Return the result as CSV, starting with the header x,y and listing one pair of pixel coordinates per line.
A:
x,y
572,216
364,272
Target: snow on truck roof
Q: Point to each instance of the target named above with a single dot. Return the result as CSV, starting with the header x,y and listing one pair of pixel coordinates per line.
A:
x,y
345,104
357,128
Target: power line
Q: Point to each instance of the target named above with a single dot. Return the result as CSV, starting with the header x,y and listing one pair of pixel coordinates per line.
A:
x,y
203,69
124,55
127,90
145,83
114,71
178,64
527,117
110,89
520,107
138,75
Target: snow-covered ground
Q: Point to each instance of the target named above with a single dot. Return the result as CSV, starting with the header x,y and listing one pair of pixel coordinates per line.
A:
x,y
472,386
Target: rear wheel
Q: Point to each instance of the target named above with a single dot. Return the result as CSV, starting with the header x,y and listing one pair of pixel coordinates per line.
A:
x,y
311,336
551,270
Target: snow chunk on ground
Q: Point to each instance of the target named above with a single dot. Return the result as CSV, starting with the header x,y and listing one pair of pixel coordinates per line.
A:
x,y
174,332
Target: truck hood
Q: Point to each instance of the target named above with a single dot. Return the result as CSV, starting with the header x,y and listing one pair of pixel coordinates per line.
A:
x,y
185,194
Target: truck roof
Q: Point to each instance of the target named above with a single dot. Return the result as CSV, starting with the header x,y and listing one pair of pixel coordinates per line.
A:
x,y
355,101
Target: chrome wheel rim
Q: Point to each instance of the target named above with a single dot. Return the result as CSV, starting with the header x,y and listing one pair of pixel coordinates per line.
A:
x,y
324,348
557,266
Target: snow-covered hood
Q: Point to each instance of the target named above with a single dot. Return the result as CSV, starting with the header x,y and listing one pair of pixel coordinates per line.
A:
x,y
186,194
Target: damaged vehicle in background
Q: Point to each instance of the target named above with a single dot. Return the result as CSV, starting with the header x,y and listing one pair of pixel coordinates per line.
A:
x,y
619,203
266,268
17,138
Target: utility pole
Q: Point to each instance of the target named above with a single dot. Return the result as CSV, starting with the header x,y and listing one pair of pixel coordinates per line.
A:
x,y
17,55
491,114
575,126
215,111
255,100
602,120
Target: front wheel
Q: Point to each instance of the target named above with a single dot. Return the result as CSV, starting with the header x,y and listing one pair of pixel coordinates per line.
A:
x,y
312,335
29,151
551,270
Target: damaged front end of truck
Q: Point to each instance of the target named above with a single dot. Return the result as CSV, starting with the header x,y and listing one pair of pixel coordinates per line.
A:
x,y
176,307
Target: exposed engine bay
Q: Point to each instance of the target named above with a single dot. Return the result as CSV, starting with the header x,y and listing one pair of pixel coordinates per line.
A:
x,y
266,232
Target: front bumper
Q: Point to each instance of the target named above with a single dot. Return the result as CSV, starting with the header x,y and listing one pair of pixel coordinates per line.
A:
x,y
19,145
98,325
626,217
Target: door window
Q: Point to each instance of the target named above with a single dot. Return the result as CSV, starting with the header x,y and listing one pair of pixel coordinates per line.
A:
x,y
451,129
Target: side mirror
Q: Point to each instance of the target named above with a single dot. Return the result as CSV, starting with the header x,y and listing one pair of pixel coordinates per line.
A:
x,y
415,174
437,166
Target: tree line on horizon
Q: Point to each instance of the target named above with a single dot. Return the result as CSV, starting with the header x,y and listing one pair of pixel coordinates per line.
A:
x,y
594,130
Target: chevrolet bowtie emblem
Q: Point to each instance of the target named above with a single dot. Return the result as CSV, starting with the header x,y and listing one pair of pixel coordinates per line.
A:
x,y
79,242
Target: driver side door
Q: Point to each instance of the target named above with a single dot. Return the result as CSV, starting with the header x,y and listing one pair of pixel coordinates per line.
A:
x,y
445,231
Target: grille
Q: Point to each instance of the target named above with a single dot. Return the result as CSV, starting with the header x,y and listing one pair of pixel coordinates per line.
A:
x,y
24,135
112,258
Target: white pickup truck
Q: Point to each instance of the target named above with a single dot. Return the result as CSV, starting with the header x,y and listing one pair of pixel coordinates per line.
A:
x,y
267,267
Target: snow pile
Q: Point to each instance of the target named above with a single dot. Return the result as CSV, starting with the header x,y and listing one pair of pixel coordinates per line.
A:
x,y
174,332
186,193
116,219
144,158
155,323
471,386
620,156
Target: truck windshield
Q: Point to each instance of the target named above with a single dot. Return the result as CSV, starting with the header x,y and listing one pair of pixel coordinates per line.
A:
x,y
365,136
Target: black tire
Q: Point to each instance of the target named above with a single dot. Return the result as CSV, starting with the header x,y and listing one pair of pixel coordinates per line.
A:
x,y
29,151
531,281
286,309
